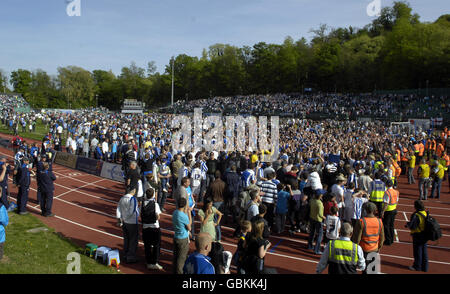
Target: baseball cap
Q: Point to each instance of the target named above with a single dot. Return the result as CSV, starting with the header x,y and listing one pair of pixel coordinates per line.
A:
x,y
321,192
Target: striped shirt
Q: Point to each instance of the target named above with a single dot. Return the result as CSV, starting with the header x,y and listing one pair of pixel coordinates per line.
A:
x,y
248,176
357,207
270,191
260,173
203,168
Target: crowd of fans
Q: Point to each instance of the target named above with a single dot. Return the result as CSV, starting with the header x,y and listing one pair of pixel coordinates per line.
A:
x,y
325,176
330,105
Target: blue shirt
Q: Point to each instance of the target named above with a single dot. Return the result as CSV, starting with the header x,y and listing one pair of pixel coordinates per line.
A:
x,y
198,264
180,220
191,200
3,222
282,202
247,177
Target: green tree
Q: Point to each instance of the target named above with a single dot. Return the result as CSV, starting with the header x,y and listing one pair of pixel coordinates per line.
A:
x,y
77,86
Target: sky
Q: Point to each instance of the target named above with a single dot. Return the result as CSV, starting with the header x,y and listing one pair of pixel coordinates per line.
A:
x,y
110,34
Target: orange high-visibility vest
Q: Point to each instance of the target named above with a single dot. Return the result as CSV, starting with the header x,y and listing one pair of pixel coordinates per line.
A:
x,y
421,149
371,227
447,159
398,155
430,145
405,153
393,199
397,169
440,150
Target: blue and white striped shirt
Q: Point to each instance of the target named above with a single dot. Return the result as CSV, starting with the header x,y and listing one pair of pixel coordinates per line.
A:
x,y
248,176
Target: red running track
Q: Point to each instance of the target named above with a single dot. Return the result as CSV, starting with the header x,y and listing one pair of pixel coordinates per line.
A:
x,y
85,207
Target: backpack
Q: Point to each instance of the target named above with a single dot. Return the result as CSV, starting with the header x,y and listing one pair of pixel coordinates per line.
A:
x,y
148,214
432,230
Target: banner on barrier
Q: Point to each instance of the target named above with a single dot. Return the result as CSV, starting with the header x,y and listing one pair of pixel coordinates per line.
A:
x,y
89,165
112,171
66,159
5,143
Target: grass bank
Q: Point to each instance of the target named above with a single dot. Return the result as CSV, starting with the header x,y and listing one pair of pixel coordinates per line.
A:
x,y
41,250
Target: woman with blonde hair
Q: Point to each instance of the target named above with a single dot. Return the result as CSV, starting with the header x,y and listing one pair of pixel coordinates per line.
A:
x,y
256,248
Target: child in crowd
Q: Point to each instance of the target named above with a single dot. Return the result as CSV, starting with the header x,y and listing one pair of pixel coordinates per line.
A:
x,y
333,225
281,210
246,228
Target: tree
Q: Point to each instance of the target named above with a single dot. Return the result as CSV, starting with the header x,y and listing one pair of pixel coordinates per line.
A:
x,y
77,86
21,80
3,82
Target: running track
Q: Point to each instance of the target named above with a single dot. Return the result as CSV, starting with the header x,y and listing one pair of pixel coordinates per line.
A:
x,y
85,207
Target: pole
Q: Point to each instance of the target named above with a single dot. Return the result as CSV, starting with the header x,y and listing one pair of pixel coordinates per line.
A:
x,y
172,77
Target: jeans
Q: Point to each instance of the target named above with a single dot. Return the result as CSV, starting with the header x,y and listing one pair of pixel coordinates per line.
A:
x,y
202,190
164,183
420,250
209,179
162,196
423,188
436,188
270,215
218,206
316,227
280,222
411,176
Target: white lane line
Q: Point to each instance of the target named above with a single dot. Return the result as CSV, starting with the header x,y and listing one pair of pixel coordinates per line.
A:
x,y
396,235
112,235
300,241
287,256
70,191
429,207
405,216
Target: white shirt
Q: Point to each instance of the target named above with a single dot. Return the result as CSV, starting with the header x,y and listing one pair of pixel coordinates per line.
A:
x,y
333,225
73,143
158,212
338,191
314,181
105,146
196,177
128,210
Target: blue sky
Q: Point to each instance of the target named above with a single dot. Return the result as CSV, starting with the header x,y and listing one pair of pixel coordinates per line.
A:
x,y
110,34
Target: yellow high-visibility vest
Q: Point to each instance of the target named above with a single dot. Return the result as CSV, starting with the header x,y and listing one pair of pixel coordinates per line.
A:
x,y
378,190
421,227
342,251
425,173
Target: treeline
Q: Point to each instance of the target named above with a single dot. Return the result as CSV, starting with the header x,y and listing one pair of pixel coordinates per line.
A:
x,y
395,51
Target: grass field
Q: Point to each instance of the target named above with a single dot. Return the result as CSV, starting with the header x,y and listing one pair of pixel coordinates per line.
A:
x,y
41,252
41,131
